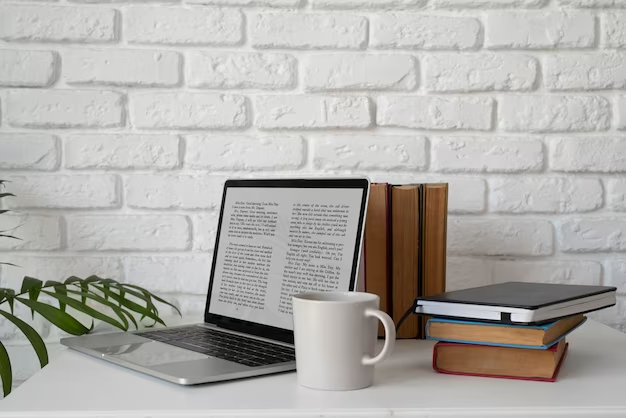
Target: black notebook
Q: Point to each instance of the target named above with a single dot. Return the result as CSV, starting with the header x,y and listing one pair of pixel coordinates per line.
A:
x,y
518,302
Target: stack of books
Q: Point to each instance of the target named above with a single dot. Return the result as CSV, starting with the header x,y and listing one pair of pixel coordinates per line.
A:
x,y
511,330
405,248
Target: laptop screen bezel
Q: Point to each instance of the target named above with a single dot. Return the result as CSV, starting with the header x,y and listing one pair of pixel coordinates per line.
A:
x,y
253,328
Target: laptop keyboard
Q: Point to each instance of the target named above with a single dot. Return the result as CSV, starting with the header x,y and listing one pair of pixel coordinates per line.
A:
x,y
223,345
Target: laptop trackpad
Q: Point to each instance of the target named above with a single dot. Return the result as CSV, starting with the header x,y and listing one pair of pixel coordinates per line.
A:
x,y
171,360
150,353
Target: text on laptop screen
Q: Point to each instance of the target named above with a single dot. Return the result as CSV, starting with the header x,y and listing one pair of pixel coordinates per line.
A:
x,y
275,242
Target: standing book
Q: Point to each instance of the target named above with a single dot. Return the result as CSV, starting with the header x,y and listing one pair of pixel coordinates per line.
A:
x,y
434,217
377,247
405,233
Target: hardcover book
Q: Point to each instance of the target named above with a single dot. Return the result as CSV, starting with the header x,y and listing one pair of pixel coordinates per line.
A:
x,y
517,302
539,337
499,362
377,246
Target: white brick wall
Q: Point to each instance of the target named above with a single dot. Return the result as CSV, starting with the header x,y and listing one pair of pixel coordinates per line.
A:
x,y
120,120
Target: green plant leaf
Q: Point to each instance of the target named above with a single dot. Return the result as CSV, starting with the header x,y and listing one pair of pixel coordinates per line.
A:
x,y
103,301
5,371
60,289
57,317
81,307
8,264
131,317
77,280
32,335
6,195
142,296
155,297
33,287
92,279
4,211
131,305
73,279
9,295
10,236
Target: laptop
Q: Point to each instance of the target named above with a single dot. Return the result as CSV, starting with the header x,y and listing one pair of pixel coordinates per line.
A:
x,y
275,238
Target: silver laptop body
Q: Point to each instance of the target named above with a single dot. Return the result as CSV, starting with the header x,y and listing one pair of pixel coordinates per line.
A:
x,y
250,332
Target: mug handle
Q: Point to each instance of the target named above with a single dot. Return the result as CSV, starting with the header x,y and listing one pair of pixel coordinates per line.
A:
x,y
390,337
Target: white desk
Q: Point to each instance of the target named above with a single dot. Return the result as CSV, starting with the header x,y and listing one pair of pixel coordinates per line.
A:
x,y
592,383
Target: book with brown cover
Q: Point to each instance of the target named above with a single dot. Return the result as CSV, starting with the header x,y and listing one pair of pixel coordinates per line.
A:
x,y
502,362
405,232
486,333
434,218
377,247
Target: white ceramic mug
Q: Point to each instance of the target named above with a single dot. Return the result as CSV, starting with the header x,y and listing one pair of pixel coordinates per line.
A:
x,y
335,338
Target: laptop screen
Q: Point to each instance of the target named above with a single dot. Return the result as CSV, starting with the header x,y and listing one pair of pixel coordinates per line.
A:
x,y
276,241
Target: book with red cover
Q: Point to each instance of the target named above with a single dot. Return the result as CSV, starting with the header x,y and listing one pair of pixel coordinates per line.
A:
x,y
553,350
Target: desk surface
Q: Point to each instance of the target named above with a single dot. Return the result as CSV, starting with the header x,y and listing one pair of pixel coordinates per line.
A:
x,y
592,383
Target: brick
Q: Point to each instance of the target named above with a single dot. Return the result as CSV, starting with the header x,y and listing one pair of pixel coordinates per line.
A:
x,y
593,3
28,151
173,191
617,194
586,71
614,29
111,232
438,113
27,68
65,191
188,111
620,111
308,31
121,151
553,271
513,237
311,112
491,4
250,3
370,152
222,70
616,275
588,154
59,268
466,272
204,231
554,113
483,72
65,109
583,235
368,4
138,68
544,195
486,155
43,23
466,194
539,30
360,72
414,31
189,275
183,26
249,153
36,232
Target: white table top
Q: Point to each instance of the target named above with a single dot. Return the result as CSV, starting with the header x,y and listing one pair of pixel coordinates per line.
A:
x,y
592,383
